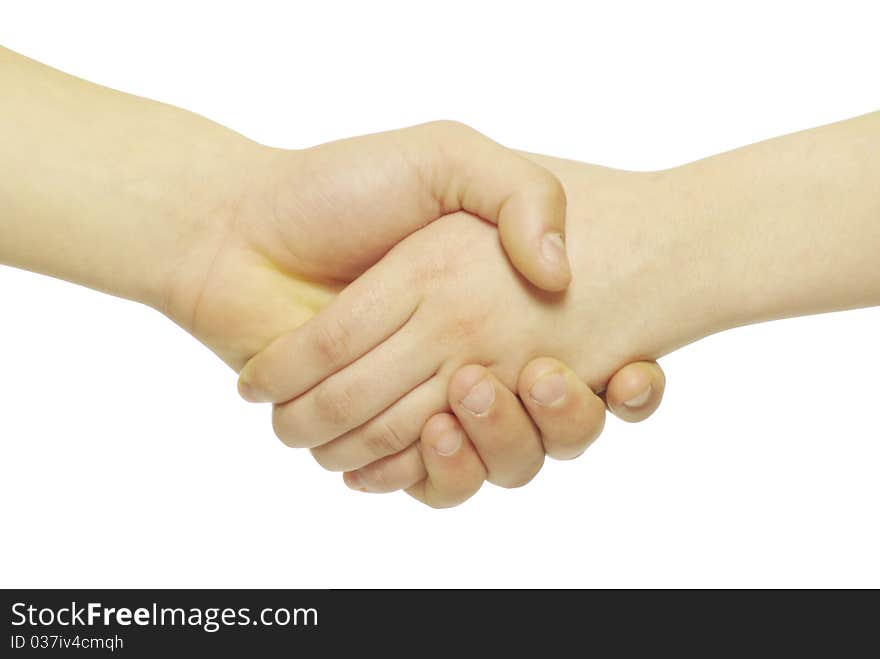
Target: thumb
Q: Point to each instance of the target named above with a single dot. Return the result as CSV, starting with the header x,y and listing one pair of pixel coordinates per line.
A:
x,y
468,171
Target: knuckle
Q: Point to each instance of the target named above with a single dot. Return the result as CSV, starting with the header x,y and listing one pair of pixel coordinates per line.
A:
x,y
332,341
378,477
333,405
450,126
550,191
555,190
382,439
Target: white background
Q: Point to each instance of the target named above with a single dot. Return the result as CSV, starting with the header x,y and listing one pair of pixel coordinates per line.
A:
x,y
127,459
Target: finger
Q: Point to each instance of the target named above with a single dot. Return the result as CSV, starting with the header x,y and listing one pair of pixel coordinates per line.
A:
x,y
455,471
364,315
495,421
468,171
569,415
635,391
357,393
442,470
396,472
391,432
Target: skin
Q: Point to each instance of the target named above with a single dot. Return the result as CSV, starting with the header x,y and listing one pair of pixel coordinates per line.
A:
x,y
442,299
522,428
237,242
786,227
194,206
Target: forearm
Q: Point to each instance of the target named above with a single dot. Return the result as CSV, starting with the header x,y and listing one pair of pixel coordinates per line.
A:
x,y
786,227
99,187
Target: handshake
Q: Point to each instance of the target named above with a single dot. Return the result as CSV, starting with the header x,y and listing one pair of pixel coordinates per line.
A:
x,y
424,308
361,288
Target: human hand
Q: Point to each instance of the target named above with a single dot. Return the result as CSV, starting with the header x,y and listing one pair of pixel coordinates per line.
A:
x,y
402,381
297,225
270,303
235,241
506,445
156,204
159,205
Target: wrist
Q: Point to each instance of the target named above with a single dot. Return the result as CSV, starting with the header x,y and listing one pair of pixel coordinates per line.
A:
x,y
647,278
712,269
694,257
220,180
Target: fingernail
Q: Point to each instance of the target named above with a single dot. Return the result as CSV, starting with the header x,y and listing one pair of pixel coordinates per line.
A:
x,y
480,398
553,248
549,389
448,443
641,399
354,481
